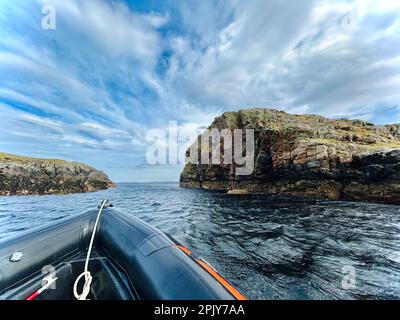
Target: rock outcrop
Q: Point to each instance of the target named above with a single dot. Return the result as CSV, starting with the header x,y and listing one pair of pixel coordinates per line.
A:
x,y
32,176
308,155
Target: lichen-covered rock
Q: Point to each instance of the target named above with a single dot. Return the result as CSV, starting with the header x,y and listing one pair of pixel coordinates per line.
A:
x,y
31,176
309,155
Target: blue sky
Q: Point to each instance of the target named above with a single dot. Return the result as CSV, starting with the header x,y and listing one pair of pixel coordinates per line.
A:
x,y
91,89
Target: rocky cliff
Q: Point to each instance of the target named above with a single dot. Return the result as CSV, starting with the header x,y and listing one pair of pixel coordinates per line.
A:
x,y
23,176
308,155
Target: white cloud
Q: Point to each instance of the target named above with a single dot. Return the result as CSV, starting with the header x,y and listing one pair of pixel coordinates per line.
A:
x,y
291,55
111,28
54,125
102,130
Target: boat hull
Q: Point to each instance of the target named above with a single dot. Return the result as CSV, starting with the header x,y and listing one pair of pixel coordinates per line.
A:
x,y
130,260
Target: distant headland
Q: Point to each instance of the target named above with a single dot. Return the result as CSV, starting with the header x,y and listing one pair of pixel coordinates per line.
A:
x,y
34,176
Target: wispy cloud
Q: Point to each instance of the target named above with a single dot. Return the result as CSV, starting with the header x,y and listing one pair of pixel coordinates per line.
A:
x,y
336,58
91,89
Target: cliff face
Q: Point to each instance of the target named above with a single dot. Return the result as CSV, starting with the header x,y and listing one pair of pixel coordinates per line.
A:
x,y
309,155
23,176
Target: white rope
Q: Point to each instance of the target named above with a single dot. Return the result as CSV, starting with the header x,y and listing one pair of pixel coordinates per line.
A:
x,y
86,272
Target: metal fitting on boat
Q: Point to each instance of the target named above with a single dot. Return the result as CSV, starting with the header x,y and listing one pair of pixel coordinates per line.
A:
x,y
16,256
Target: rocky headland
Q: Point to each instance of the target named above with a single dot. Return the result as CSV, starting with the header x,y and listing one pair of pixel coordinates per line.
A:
x,y
33,176
308,155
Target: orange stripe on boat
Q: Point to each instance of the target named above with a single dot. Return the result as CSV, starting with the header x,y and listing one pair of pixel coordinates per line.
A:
x,y
185,250
218,277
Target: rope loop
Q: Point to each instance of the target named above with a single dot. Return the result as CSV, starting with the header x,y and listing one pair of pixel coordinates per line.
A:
x,y
86,273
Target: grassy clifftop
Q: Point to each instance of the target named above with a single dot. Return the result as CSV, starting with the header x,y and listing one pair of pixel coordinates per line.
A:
x,y
16,158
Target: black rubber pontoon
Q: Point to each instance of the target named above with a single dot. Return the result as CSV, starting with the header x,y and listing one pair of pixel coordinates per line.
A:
x,y
130,260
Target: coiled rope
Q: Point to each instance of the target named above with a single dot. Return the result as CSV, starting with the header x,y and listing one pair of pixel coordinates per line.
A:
x,y
86,272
